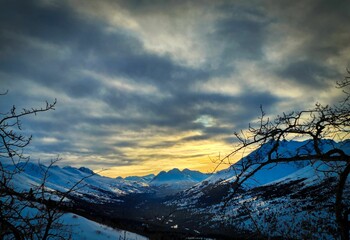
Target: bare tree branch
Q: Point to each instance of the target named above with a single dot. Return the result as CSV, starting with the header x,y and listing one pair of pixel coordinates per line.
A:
x,y
317,125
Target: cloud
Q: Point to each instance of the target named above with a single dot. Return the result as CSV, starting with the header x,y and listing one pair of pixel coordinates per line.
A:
x,y
308,73
175,77
167,28
308,39
243,37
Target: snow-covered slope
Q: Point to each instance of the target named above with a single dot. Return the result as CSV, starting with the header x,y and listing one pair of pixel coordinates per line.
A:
x,y
270,172
196,175
92,187
83,228
146,179
298,206
266,174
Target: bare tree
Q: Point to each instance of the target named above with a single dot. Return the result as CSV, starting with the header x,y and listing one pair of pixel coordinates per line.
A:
x,y
317,124
33,213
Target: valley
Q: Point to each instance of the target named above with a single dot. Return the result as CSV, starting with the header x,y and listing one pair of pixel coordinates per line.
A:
x,y
288,200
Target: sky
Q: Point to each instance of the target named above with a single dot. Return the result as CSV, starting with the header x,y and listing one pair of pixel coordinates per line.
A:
x,y
144,86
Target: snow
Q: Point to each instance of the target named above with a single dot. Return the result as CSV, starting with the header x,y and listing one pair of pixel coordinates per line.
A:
x,y
177,177
145,179
282,200
75,227
174,181
83,228
93,185
99,188
273,172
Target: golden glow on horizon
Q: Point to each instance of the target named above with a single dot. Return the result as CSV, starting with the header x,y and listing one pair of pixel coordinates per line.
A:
x,y
197,155
201,155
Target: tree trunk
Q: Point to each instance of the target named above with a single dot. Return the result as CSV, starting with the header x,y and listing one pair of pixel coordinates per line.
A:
x,y
341,215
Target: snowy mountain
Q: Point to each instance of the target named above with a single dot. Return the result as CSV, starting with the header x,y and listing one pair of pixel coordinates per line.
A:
x,y
99,189
86,170
167,183
93,187
175,180
284,208
196,175
175,176
269,173
146,179
277,202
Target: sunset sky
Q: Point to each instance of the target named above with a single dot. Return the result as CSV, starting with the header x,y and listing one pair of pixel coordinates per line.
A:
x,y
145,86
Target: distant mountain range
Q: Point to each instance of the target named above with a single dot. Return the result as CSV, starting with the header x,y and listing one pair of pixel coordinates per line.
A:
x,y
93,188
169,182
108,188
170,177
176,176
97,188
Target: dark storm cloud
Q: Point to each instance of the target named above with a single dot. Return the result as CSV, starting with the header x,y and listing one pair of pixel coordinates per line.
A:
x,y
155,6
83,87
243,36
25,29
35,19
53,148
309,73
323,23
326,20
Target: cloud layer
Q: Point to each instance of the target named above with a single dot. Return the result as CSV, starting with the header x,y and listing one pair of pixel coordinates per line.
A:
x,y
149,85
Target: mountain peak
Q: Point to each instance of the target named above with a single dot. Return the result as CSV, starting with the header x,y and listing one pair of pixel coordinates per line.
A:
x,y
175,175
174,170
86,170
